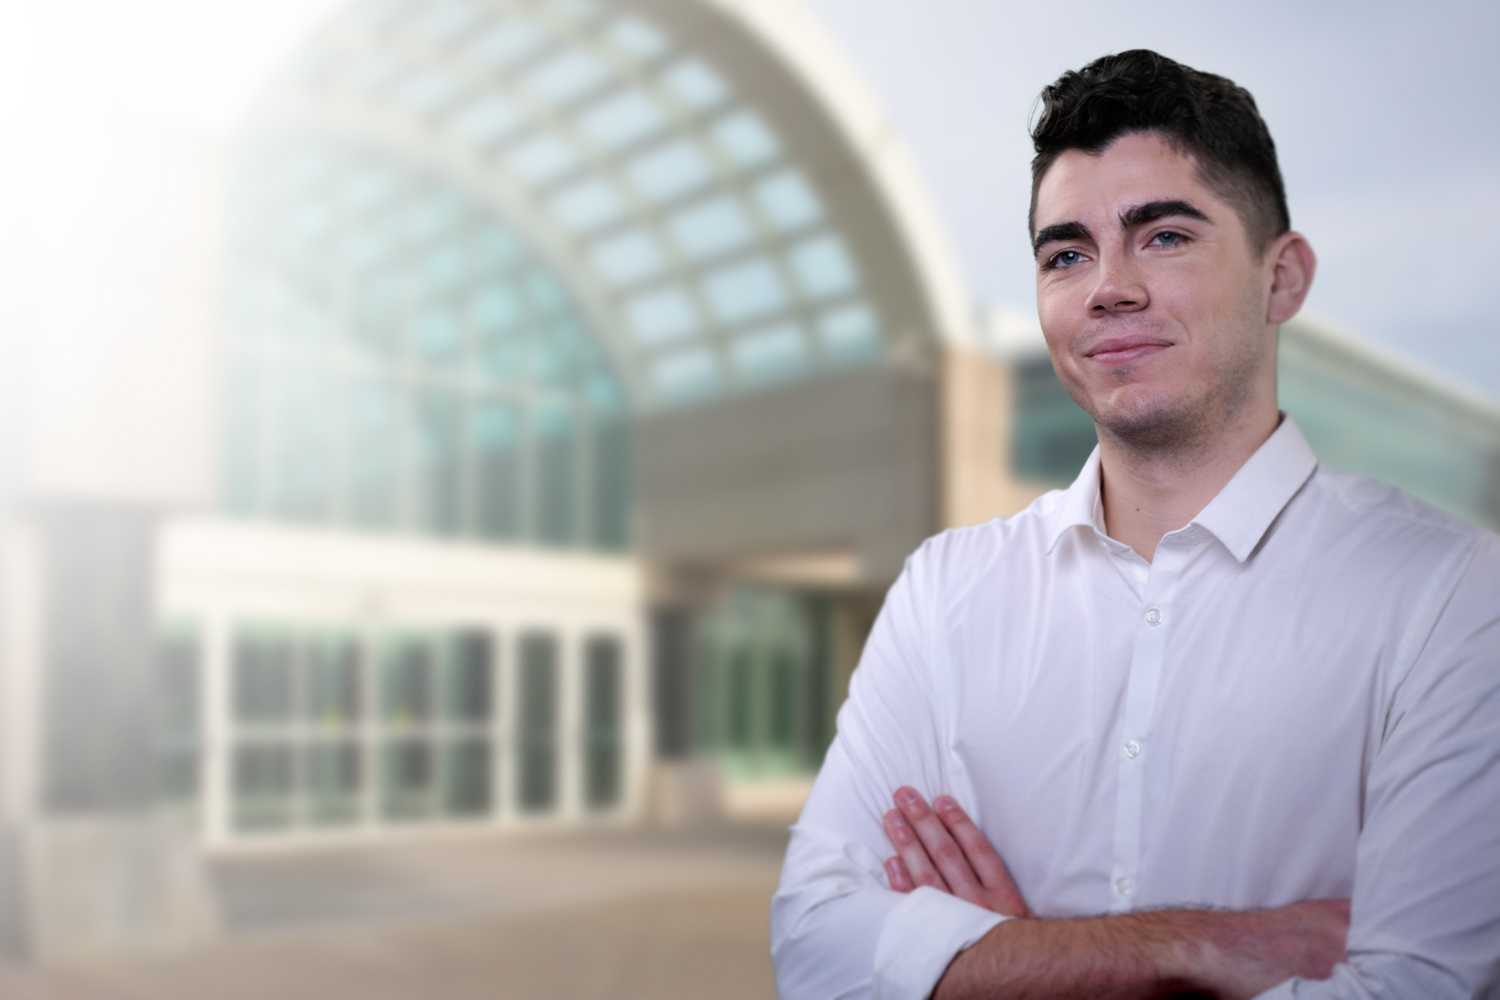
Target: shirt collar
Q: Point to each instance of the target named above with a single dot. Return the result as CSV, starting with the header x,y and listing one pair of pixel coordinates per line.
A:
x,y
1238,517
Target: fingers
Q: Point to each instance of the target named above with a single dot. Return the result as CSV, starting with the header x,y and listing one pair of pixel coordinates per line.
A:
x,y
986,862
911,853
899,877
939,849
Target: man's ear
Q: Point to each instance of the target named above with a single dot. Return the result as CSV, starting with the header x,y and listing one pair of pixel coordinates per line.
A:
x,y
1293,265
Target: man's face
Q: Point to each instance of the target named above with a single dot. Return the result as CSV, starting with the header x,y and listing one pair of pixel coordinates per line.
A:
x,y
1152,303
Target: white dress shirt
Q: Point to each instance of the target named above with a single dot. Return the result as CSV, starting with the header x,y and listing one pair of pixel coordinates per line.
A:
x,y
1297,698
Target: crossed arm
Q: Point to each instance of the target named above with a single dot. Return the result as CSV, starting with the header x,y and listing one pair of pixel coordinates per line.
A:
x,y
1156,954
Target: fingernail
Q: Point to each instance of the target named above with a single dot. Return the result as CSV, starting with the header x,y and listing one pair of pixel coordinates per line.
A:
x,y
899,830
907,797
945,803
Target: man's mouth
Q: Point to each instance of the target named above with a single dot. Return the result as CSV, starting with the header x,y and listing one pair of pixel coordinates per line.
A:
x,y
1121,350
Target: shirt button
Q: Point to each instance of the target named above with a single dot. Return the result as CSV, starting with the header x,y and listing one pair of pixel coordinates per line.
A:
x,y
1124,886
1132,748
1153,616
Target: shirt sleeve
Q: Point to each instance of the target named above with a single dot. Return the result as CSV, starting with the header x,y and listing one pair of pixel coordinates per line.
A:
x,y
837,930
1425,918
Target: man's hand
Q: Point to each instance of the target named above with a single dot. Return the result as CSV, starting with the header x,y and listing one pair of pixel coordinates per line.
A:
x,y
940,846
1228,954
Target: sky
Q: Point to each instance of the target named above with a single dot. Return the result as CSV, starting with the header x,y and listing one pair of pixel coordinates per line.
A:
x,y
1385,119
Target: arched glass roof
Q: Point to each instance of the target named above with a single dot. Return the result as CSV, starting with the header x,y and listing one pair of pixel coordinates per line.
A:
x,y
712,235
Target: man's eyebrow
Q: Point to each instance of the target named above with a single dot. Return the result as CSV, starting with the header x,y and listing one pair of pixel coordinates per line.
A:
x,y
1140,215
1060,231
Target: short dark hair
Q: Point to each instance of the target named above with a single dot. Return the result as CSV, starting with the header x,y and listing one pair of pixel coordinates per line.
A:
x,y
1208,117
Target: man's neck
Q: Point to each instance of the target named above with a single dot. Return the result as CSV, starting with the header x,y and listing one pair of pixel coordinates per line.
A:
x,y
1147,493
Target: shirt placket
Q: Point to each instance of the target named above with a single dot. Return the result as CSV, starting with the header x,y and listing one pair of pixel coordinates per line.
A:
x,y
1153,621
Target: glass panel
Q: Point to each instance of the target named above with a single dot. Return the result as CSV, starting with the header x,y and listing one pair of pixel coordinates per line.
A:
x,y
262,663
636,37
669,170
787,200
332,782
1051,437
850,332
612,485
694,84
438,335
495,307
565,76
486,119
433,213
438,467
447,22
261,780
627,258
306,443
497,440
603,683
745,137
741,682
408,782
466,777
241,452
770,352
407,680
422,93
467,684
557,466
332,678
784,698
545,291
493,249
823,267
621,119
380,306
711,227
178,700
745,291
541,158
588,204
507,41
661,316
686,375
445,269
538,722
373,454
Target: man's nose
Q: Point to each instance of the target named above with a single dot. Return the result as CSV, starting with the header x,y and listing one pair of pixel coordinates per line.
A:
x,y
1119,286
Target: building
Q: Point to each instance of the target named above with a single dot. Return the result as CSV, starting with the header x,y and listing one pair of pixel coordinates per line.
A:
x,y
555,389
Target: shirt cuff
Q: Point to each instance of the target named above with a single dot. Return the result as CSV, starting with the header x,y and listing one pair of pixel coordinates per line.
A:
x,y
921,936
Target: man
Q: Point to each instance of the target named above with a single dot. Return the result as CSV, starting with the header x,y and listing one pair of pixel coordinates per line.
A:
x,y
1153,734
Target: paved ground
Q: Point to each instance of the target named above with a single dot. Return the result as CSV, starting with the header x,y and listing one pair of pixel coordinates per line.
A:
x,y
626,914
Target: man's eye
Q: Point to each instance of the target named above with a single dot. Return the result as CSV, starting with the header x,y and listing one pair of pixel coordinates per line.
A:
x,y
1062,260
1167,238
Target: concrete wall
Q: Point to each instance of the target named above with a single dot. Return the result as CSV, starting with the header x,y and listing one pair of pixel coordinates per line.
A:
x,y
842,463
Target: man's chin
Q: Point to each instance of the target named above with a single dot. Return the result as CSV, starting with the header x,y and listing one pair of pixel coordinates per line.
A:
x,y
1151,424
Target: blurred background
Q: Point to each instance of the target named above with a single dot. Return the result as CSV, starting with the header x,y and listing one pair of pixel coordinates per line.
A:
x,y
451,452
